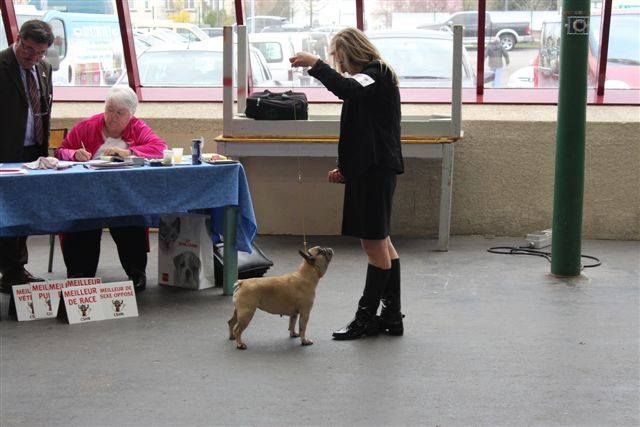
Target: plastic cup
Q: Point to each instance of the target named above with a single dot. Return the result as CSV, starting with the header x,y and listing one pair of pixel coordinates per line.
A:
x,y
177,155
167,157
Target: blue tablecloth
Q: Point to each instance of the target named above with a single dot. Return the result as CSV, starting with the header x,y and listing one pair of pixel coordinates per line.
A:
x,y
48,201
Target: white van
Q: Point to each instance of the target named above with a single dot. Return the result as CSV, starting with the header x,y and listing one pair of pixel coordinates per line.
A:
x,y
87,48
277,48
191,32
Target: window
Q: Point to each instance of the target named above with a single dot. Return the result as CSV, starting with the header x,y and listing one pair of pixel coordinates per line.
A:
x,y
623,58
90,53
87,48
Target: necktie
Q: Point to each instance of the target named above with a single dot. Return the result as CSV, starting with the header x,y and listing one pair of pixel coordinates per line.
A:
x,y
34,99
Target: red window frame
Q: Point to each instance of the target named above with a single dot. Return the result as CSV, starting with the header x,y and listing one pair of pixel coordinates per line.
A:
x,y
481,95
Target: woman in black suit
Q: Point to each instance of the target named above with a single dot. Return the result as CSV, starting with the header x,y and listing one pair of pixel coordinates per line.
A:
x,y
369,158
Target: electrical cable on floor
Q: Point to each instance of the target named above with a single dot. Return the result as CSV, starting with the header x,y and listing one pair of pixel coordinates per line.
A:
x,y
524,250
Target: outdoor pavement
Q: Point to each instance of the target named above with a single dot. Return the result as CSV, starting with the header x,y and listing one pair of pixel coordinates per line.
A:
x,y
490,340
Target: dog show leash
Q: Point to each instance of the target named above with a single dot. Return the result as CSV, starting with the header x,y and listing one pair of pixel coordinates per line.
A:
x,y
304,232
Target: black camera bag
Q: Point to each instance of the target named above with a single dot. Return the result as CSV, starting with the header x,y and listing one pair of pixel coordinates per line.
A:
x,y
254,264
268,105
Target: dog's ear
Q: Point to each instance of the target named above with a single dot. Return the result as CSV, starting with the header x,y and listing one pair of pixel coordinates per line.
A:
x,y
308,257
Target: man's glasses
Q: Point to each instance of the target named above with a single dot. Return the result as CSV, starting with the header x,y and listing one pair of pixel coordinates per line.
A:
x,y
31,52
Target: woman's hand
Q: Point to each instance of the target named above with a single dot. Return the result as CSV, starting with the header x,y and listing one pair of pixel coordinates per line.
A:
x,y
115,151
82,155
304,59
335,176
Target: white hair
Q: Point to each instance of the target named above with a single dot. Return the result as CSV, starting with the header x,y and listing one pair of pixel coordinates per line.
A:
x,y
123,96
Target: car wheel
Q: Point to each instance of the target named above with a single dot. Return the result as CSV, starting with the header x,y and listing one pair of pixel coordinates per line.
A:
x,y
508,41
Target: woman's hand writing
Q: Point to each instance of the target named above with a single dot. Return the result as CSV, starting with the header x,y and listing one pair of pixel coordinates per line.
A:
x,y
335,176
82,155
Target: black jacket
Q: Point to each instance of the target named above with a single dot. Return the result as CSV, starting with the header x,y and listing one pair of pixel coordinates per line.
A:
x,y
370,119
14,106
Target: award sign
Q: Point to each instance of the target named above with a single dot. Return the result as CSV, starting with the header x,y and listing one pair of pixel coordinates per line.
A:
x,y
118,300
23,303
82,304
46,297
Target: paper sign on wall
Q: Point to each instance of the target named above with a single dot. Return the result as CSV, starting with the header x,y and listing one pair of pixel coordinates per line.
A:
x,y
118,300
46,298
23,302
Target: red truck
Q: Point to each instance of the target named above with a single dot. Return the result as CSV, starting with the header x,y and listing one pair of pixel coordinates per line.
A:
x,y
623,57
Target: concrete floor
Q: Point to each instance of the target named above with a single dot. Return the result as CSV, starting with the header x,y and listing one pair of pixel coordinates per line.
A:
x,y
489,340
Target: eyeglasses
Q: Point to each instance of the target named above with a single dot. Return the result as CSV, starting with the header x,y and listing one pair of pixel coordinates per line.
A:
x,y
31,52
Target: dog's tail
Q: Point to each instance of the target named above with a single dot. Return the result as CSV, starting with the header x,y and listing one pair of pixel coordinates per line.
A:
x,y
236,286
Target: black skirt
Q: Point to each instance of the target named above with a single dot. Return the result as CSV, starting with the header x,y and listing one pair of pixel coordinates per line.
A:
x,y
367,204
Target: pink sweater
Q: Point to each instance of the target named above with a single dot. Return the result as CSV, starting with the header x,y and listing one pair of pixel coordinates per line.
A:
x,y
138,136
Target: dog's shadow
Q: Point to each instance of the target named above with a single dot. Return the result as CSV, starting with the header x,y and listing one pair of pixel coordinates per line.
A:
x,y
269,334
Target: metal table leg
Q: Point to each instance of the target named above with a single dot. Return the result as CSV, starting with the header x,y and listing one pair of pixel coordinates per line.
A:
x,y
230,255
445,197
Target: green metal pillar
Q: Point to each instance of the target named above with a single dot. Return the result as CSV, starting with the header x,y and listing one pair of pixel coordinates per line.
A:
x,y
230,254
570,139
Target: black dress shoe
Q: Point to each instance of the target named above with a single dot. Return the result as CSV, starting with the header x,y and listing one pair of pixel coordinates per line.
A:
x,y
16,277
392,323
139,283
360,326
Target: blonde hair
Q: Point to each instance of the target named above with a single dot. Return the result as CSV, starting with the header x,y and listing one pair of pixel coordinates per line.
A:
x,y
358,50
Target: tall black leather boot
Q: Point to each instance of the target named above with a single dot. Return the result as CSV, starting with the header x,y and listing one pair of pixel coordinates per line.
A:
x,y
390,315
366,321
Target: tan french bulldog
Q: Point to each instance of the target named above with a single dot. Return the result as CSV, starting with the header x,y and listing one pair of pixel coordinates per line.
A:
x,y
287,295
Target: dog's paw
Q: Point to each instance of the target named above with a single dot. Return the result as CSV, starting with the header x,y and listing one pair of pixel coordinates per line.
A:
x,y
242,346
306,342
294,334
232,337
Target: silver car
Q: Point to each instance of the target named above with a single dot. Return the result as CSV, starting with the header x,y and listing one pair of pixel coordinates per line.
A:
x,y
193,65
422,58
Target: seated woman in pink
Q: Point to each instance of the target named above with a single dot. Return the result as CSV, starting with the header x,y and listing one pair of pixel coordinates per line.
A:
x,y
114,132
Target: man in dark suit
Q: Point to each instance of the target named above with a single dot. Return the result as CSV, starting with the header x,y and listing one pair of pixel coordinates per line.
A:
x,y
25,113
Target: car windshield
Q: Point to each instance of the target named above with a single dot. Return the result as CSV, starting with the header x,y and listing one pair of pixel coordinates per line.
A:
x,y
417,58
272,51
180,68
624,38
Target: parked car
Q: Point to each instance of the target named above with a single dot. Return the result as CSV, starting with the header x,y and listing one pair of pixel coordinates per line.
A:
x,y
330,30
160,35
193,65
623,58
510,33
522,78
422,58
285,28
277,48
255,24
212,31
191,32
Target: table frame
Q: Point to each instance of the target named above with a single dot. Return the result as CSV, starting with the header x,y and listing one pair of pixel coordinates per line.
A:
x,y
430,137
